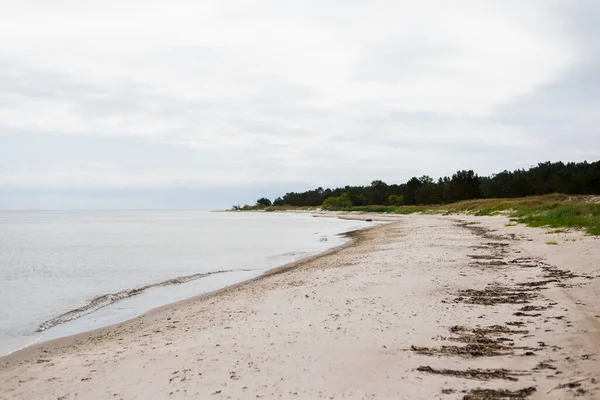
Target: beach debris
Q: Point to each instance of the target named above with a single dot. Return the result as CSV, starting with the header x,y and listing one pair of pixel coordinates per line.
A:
x,y
544,365
484,257
534,308
477,229
492,263
492,329
477,374
495,294
537,283
522,314
477,339
521,260
569,385
496,244
557,274
480,342
492,394
468,351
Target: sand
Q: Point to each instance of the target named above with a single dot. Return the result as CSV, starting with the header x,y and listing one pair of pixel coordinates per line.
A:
x,y
426,307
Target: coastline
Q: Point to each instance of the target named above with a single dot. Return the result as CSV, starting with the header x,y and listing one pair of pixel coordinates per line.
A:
x,y
391,287
69,339
105,307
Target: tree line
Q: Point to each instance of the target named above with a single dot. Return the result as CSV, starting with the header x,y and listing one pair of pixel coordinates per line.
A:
x,y
544,178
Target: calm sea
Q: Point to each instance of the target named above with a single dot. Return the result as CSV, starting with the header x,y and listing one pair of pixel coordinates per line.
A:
x,y
68,272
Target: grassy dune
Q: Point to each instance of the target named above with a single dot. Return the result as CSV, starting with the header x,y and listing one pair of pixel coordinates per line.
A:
x,y
553,211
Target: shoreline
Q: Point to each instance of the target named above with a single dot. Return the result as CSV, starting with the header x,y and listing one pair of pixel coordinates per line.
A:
x,y
46,329
107,299
68,339
429,307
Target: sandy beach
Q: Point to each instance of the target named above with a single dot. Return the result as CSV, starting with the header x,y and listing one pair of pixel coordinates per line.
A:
x,y
426,307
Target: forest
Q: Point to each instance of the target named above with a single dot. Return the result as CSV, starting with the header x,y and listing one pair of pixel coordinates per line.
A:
x,y
544,178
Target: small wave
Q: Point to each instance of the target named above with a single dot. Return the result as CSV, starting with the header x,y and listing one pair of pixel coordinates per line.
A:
x,y
107,299
293,255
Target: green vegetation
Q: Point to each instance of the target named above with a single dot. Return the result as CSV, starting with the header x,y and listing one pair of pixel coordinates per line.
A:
x,y
526,196
556,211
396,200
575,216
270,208
552,211
264,202
552,243
544,178
343,201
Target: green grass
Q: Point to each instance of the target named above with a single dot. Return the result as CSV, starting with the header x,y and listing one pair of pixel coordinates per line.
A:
x,y
555,211
552,243
574,216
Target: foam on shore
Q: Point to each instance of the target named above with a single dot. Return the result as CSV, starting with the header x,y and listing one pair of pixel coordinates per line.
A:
x,y
107,299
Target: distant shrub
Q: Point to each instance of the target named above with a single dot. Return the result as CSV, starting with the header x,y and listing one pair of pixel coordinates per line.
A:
x,y
263,202
396,200
337,202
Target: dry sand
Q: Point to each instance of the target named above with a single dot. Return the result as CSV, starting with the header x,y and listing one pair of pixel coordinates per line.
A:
x,y
427,307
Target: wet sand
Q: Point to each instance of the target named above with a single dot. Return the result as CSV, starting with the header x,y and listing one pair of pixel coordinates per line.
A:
x,y
426,307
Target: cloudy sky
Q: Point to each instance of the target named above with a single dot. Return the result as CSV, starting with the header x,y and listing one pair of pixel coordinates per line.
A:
x,y
203,104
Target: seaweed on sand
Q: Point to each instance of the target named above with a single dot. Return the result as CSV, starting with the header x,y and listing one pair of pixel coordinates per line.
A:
x,y
475,373
492,394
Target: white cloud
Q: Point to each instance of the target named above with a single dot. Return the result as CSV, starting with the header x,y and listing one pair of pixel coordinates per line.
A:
x,y
276,90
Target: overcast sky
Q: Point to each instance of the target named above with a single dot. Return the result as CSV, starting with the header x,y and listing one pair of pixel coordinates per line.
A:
x,y
159,103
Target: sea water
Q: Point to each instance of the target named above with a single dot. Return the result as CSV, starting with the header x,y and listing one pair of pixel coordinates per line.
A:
x,y
67,272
